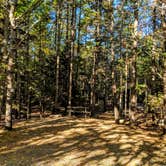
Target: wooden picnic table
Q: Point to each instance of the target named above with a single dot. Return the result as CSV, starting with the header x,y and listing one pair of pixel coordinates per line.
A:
x,y
79,109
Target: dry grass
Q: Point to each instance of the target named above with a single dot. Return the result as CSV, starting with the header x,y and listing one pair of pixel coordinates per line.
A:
x,y
62,141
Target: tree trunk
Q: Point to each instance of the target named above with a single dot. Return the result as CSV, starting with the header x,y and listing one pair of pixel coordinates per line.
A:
x,y
121,94
92,92
58,37
41,109
95,56
126,85
121,57
4,61
114,85
28,97
164,74
8,115
28,107
133,97
72,39
77,51
11,55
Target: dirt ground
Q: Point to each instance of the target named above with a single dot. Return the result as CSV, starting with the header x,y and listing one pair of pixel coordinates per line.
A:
x,y
63,141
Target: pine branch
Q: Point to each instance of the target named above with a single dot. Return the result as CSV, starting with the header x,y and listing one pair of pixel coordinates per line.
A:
x,y
30,9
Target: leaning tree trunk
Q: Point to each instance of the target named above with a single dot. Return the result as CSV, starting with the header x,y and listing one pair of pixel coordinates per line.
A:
x,y
11,54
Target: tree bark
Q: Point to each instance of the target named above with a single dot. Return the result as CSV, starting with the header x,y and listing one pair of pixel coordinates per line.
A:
x,y
28,97
4,61
114,85
11,55
164,51
126,84
95,56
92,92
58,37
133,97
72,39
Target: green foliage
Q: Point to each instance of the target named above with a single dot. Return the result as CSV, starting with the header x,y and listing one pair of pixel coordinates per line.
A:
x,y
155,102
104,33
15,106
141,88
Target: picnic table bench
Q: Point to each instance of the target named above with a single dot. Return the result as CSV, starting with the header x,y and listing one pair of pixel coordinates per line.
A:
x,y
79,109
59,108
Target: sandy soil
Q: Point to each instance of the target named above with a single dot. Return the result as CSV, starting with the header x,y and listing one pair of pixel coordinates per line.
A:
x,y
62,141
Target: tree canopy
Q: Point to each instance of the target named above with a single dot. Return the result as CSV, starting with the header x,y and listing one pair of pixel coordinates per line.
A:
x,y
106,55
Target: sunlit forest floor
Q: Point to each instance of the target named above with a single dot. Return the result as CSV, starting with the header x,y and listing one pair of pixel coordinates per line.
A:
x,y
63,141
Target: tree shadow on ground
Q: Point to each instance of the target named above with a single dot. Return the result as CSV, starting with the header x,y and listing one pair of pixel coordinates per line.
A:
x,y
70,141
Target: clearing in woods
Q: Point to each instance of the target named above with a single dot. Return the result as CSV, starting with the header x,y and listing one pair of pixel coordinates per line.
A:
x,y
59,141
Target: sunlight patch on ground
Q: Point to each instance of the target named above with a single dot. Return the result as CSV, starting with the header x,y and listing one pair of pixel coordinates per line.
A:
x,y
125,146
72,142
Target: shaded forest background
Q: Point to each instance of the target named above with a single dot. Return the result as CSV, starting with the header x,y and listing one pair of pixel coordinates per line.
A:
x,y
103,55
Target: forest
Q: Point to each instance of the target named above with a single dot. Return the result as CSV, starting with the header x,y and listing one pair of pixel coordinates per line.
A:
x,y
93,68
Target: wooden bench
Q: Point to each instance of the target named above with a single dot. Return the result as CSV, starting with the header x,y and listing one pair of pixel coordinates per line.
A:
x,y
60,108
162,122
79,109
